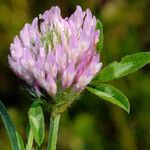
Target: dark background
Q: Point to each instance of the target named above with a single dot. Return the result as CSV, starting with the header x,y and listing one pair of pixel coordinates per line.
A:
x,y
91,124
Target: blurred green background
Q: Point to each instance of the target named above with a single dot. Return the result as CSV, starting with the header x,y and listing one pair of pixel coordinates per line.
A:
x,y
91,124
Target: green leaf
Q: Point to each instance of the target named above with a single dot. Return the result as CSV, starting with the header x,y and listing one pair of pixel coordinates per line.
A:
x,y
101,36
111,94
127,65
20,141
11,131
36,120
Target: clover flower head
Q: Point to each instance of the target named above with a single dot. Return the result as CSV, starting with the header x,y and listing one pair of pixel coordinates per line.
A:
x,y
56,53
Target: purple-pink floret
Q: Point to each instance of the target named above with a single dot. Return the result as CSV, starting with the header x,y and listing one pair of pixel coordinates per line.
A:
x,y
55,52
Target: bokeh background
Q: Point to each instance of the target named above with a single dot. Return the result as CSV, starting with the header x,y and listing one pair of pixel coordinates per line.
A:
x,y
91,124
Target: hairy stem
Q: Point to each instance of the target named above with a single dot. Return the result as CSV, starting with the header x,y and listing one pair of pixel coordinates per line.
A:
x,y
53,131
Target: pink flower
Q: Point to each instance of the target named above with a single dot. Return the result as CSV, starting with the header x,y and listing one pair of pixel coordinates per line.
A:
x,y
57,53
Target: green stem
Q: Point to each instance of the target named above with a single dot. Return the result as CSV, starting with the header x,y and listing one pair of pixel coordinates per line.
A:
x,y
53,131
30,140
